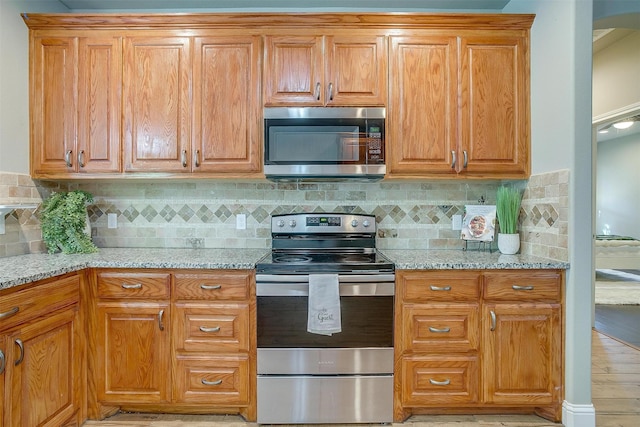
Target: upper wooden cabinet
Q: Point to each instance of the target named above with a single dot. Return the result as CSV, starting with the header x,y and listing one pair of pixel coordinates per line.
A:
x,y
336,70
459,105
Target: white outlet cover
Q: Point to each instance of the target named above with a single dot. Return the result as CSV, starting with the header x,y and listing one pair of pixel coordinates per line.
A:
x,y
112,220
241,222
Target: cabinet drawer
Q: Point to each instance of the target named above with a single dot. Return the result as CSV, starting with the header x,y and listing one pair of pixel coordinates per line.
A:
x,y
112,284
446,380
441,328
226,285
22,306
522,285
211,327
439,286
212,380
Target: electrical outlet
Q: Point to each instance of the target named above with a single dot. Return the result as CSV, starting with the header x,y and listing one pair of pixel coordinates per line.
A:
x,y
112,220
456,222
241,222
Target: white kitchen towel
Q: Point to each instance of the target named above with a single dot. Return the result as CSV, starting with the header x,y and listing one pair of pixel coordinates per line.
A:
x,y
324,304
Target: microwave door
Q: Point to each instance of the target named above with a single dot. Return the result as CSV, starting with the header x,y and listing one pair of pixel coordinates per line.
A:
x,y
313,144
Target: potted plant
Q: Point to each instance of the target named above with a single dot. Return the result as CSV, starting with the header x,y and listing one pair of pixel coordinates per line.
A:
x,y
64,223
508,201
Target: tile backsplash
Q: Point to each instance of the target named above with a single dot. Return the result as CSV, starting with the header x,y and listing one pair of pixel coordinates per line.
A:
x,y
202,213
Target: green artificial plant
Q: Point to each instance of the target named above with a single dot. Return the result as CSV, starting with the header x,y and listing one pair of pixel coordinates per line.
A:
x,y
63,220
508,201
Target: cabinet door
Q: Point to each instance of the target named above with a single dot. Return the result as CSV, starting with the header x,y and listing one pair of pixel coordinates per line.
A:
x,y
53,105
134,361
157,104
356,70
522,353
423,106
495,105
4,402
293,71
99,91
227,130
43,357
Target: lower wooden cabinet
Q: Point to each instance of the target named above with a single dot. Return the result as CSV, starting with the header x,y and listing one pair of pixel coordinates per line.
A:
x,y
173,341
479,341
41,354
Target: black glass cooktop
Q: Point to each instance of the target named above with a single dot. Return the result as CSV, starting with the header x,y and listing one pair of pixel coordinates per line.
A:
x,y
323,262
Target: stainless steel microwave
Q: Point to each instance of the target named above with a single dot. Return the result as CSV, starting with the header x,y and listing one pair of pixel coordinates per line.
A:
x,y
330,143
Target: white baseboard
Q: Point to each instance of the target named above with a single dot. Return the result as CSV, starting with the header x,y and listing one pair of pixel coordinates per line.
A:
x,y
574,415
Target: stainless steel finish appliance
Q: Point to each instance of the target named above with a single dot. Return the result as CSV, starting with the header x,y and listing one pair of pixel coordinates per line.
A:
x,y
310,378
320,143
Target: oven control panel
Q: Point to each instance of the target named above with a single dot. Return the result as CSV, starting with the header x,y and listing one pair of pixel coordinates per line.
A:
x,y
323,223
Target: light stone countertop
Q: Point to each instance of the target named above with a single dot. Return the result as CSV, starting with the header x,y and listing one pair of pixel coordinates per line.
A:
x,y
21,269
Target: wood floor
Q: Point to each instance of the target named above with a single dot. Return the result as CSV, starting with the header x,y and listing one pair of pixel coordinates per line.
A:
x,y
619,321
615,391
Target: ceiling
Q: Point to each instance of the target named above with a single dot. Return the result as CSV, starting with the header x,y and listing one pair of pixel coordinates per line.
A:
x,y
368,5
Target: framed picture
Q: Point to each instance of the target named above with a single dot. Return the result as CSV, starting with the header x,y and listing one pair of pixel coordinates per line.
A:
x,y
479,223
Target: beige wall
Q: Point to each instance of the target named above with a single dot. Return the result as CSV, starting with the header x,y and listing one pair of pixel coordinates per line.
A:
x,y
616,71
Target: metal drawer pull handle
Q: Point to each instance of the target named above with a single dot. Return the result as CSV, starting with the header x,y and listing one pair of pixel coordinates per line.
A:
x,y
522,288
466,159
317,93
210,287
2,362
21,347
205,329
196,158
453,159
205,382
67,158
184,158
434,382
439,330
132,286
81,158
330,91
493,320
9,313
160,320
440,288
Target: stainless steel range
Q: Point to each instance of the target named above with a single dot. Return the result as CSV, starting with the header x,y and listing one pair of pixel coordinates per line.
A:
x,y
342,375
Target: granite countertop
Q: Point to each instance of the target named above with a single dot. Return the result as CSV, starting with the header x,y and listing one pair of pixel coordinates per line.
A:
x,y
21,269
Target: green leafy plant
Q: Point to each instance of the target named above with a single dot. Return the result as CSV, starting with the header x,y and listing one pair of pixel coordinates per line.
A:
x,y
63,221
508,201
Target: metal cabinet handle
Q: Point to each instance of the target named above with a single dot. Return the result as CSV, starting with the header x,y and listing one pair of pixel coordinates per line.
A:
x,y
434,382
9,313
205,329
81,158
67,158
317,92
522,288
131,286
21,347
161,320
453,159
440,288
465,160
210,287
205,382
3,362
330,91
493,320
196,158
439,330
184,158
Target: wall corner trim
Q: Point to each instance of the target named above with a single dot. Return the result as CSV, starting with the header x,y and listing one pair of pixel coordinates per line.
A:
x,y
578,415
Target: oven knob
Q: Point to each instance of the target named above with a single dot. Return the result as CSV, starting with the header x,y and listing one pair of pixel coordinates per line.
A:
x,y
280,223
365,223
292,223
354,223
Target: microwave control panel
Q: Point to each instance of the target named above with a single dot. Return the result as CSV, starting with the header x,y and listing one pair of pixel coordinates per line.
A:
x,y
374,145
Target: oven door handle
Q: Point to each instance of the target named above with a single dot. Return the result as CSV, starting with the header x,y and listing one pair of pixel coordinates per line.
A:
x,y
346,289
342,278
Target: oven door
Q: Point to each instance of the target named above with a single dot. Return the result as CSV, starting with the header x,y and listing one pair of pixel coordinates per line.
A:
x,y
366,309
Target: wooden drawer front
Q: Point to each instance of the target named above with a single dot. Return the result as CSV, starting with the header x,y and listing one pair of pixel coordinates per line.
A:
x,y
447,380
232,285
211,327
212,380
524,285
441,328
22,306
439,286
133,285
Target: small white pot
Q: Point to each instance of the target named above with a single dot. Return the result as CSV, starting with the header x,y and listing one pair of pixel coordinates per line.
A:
x,y
508,244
